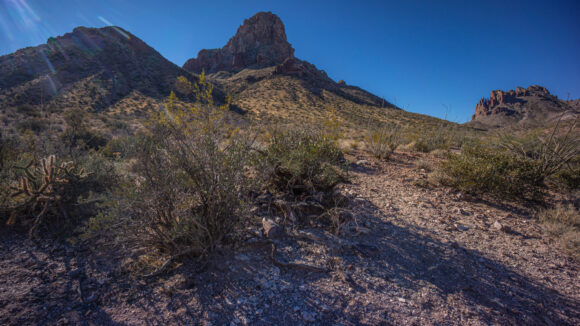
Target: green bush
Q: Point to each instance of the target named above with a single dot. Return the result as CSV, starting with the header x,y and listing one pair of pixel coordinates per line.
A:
x,y
569,176
302,161
490,170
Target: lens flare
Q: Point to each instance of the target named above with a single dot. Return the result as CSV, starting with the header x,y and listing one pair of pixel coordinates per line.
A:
x,y
104,20
52,85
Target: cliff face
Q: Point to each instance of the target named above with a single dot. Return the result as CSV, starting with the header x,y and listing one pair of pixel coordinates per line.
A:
x,y
260,42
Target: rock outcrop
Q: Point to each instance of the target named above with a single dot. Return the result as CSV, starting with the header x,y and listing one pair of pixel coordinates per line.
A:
x,y
260,42
533,105
507,102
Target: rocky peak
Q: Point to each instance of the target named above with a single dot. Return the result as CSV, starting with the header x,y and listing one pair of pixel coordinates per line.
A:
x,y
508,102
259,42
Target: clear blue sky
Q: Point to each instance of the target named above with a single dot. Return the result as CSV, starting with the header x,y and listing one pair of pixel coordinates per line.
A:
x,y
422,55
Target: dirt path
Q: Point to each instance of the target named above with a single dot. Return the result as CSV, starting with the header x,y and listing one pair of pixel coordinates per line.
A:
x,y
416,256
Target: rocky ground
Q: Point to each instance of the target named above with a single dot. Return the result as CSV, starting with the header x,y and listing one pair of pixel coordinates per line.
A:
x,y
415,256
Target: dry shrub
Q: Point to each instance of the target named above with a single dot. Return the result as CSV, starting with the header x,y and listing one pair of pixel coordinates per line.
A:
x,y
189,189
555,153
55,194
383,141
425,165
563,222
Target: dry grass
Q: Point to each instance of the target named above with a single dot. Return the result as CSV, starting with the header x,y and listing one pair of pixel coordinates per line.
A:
x,y
563,222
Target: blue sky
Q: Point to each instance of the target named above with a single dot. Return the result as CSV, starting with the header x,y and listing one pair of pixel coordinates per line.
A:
x,y
430,57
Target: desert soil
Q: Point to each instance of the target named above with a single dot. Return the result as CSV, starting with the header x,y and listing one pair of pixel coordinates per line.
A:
x,y
415,256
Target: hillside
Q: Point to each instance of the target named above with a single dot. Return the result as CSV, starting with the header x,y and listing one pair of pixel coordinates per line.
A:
x,y
96,69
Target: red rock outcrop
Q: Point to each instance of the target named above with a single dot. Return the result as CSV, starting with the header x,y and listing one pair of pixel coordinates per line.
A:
x,y
259,42
507,102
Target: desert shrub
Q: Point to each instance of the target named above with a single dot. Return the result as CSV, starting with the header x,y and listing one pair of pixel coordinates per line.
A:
x,y
29,110
563,222
569,176
486,169
383,141
117,124
78,134
423,165
554,152
54,193
7,156
84,139
34,124
428,142
302,161
119,147
187,189
440,153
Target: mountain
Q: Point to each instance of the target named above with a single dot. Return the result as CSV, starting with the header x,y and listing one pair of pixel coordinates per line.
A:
x,y
93,68
118,77
258,68
533,106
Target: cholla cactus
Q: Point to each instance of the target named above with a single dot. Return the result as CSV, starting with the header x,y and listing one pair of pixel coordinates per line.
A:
x,y
47,188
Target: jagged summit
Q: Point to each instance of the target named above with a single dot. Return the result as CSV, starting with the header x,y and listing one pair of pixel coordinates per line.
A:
x,y
260,42
533,105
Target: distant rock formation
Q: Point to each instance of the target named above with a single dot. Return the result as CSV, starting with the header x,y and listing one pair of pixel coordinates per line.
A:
x,y
507,102
260,42
533,105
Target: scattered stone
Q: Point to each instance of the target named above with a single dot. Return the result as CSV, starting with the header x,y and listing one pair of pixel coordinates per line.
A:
x,y
363,230
311,208
242,257
271,229
365,250
498,226
75,273
461,227
309,316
